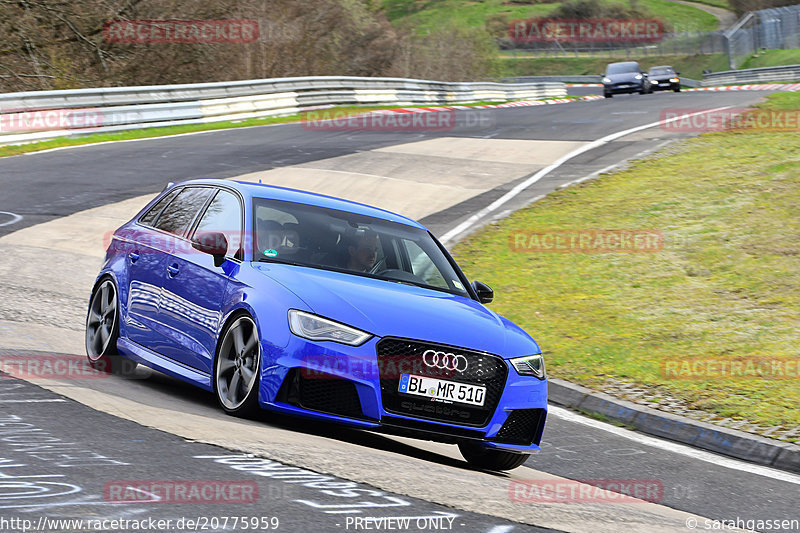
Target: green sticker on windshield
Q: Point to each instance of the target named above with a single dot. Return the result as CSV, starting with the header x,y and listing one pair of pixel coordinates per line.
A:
x,y
269,252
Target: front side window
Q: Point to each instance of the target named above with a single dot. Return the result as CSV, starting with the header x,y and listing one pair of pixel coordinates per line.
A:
x,y
224,215
318,237
179,214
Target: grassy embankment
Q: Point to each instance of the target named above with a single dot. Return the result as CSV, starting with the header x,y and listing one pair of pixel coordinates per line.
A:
x,y
428,16
726,285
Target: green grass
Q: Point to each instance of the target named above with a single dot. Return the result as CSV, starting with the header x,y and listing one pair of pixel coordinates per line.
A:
x,y
93,138
773,58
427,16
715,3
680,16
726,284
782,101
688,66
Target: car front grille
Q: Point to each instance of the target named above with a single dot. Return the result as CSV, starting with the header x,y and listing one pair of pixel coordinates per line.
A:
x,y
398,356
523,427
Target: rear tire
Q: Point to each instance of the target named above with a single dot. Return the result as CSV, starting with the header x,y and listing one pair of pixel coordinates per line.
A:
x,y
237,367
608,95
102,331
677,89
488,459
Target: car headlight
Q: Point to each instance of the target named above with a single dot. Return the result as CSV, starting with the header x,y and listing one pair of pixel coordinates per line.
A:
x,y
530,365
638,76
316,328
674,80
606,80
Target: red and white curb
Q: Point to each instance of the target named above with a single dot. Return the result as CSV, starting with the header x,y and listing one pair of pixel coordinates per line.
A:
x,y
755,87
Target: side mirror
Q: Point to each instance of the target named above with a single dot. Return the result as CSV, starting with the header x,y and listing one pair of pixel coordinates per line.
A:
x,y
484,292
677,73
213,243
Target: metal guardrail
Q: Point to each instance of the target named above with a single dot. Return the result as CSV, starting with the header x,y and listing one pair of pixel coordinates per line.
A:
x,y
686,82
753,75
564,79
46,114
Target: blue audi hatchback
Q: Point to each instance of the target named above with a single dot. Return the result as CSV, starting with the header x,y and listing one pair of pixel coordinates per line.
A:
x,y
319,307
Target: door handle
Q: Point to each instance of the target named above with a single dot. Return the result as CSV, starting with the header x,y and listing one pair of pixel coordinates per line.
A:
x,y
133,256
173,270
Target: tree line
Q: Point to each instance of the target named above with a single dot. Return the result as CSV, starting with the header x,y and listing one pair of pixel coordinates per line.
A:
x,y
61,44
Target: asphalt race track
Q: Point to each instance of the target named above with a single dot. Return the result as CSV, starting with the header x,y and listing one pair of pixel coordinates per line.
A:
x,y
54,211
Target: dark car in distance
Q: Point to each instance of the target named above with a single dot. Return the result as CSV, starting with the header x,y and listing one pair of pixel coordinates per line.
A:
x,y
625,77
664,78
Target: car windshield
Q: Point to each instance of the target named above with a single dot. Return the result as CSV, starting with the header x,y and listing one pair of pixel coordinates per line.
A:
x,y
661,71
619,68
317,237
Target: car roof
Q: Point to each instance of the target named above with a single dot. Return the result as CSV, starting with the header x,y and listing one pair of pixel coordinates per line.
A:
x,y
272,192
624,63
661,66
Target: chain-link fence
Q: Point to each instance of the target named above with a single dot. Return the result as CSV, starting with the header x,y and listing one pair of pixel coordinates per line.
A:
x,y
774,28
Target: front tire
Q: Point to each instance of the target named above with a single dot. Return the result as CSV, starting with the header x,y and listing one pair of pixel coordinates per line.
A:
x,y
488,459
102,331
608,95
237,368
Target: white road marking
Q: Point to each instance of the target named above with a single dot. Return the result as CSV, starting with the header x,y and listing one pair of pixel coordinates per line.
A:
x,y
674,447
500,529
34,401
88,145
14,218
609,168
467,224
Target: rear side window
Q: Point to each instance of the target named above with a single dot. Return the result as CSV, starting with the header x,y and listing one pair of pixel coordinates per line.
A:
x,y
224,214
179,214
149,218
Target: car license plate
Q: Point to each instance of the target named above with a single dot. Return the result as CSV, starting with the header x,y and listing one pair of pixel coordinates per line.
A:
x,y
440,389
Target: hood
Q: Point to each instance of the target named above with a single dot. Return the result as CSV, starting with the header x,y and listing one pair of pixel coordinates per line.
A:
x,y
388,309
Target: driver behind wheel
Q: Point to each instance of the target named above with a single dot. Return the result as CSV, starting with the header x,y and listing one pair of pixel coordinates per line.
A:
x,y
363,251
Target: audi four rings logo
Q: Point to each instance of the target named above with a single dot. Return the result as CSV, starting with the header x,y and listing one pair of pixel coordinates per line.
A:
x,y
445,360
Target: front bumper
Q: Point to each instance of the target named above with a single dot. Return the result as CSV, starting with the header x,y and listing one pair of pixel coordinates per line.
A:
x,y
622,88
357,386
664,86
